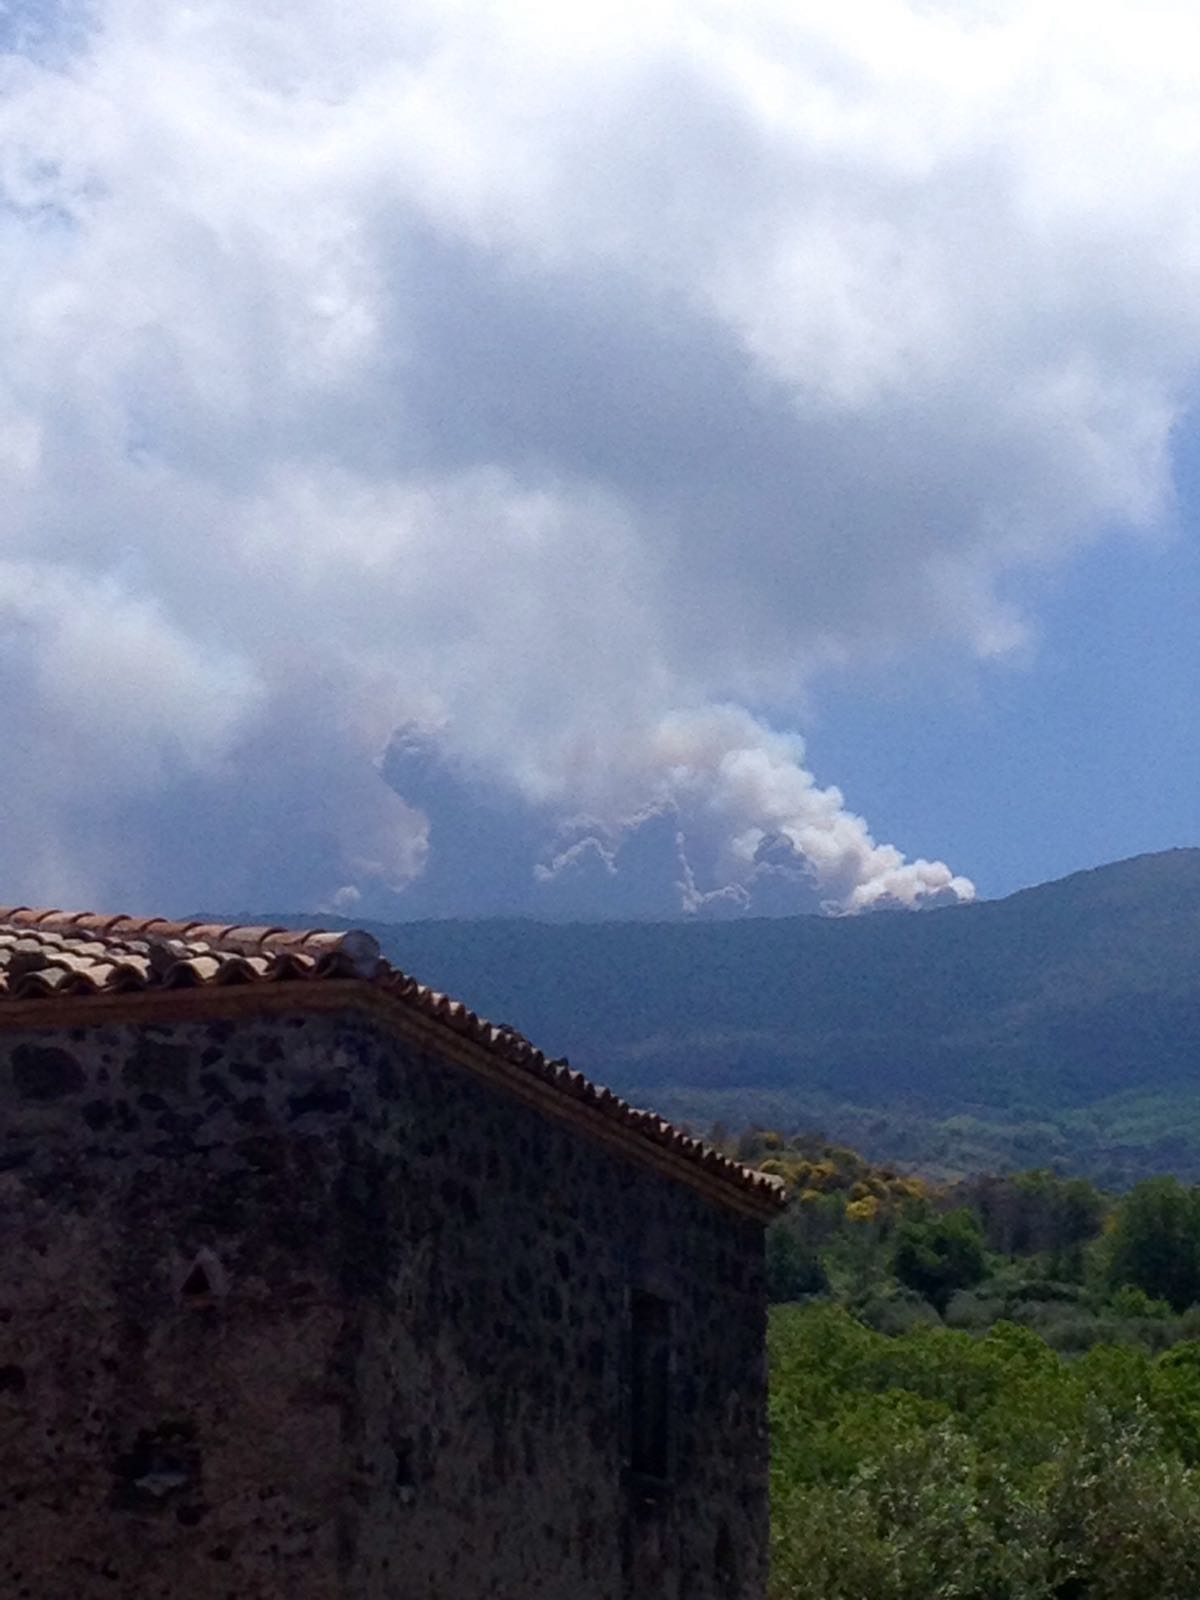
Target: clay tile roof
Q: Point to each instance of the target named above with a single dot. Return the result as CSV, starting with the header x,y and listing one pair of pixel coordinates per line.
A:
x,y
47,954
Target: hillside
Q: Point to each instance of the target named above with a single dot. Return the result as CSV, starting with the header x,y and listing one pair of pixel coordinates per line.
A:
x,y
1060,1024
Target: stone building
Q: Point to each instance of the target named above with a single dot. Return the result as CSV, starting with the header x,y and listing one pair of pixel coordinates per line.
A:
x,y
313,1284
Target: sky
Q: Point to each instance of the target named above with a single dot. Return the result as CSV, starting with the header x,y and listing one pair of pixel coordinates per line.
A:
x,y
611,460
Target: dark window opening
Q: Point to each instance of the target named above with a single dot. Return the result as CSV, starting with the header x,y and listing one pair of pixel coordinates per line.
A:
x,y
650,1388
725,1564
196,1282
204,1280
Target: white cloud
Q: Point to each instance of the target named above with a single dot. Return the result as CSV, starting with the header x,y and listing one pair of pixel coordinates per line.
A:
x,y
563,378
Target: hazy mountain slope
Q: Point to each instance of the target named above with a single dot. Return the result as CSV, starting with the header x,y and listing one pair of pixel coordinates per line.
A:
x,y
1025,1010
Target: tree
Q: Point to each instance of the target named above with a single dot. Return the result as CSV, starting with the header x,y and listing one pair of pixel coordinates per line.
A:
x,y
1038,1213
793,1270
938,1255
1156,1242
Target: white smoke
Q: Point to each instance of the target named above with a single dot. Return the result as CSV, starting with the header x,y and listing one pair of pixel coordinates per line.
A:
x,y
738,794
572,379
752,784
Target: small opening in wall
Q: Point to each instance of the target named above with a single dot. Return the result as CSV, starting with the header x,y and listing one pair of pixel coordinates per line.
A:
x,y
203,1279
197,1281
650,1388
405,1480
725,1564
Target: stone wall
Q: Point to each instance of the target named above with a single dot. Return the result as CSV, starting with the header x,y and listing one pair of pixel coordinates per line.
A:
x,y
290,1309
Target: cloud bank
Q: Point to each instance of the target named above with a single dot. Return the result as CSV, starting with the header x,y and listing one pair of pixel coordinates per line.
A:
x,y
436,442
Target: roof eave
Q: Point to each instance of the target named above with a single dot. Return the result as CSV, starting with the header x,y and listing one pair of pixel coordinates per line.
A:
x,y
760,1199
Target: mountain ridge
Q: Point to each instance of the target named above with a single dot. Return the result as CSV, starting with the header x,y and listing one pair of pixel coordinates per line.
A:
x,y
1026,1026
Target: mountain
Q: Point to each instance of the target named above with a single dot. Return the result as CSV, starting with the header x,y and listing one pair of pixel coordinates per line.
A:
x,y
1060,1025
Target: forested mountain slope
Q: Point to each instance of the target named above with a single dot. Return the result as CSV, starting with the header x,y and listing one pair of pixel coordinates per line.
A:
x,y
1062,1023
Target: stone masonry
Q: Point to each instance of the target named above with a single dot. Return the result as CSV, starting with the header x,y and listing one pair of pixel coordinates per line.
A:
x,y
294,1307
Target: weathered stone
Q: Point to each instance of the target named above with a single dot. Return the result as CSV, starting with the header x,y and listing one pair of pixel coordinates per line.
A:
x,y
364,1332
45,1072
98,1114
158,1066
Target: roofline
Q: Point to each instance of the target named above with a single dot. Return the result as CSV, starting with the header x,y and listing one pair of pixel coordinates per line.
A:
x,y
353,947
333,994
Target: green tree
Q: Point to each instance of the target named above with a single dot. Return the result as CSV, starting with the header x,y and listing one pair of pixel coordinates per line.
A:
x,y
937,1255
793,1269
1038,1213
1156,1242
937,1466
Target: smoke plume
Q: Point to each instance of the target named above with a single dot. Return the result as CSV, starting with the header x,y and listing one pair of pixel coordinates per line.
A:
x,y
578,386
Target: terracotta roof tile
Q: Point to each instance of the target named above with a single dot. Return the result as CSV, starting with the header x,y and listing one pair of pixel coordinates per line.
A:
x,y
46,954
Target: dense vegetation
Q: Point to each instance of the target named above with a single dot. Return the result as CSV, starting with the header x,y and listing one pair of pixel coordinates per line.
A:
x,y
934,1464
1056,1027
986,1390
1051,1253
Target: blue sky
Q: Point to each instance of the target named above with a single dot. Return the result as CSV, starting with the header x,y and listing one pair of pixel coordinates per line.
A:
x,y
1085,753
689,458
